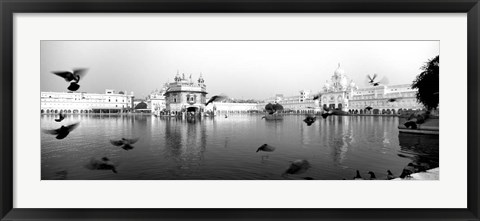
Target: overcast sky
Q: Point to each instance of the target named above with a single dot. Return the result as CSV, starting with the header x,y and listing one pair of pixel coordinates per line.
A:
x,y
240,69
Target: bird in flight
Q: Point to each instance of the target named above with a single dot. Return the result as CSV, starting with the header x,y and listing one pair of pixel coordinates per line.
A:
x,y
371,80
103,164
124,143
266,148
309,120
216,98
70,76
392,100
63,131
297,167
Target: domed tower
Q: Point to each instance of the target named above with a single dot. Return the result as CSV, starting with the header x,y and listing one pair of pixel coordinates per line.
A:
x,y
177,77
339,72
200,79
339,79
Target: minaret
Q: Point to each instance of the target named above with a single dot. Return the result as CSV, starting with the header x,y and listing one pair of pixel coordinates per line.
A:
x,y
200,79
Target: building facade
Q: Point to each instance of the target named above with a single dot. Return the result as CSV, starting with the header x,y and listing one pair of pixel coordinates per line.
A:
x,y
156,100
301,103
229,108
337,92
384,99
185,95
81,102
343,94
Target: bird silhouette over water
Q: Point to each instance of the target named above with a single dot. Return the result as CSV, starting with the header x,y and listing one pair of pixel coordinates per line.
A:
x,y
297,167
357,176
216,98
103,164
124,143
61,116
408,171
390,175
326,112
70,76
63,131
309,120
266,148
372,175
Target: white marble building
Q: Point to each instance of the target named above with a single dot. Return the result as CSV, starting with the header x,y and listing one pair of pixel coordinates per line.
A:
x,y
81,102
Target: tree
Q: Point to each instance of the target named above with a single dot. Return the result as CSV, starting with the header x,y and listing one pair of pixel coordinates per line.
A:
x,y
427,84
141,105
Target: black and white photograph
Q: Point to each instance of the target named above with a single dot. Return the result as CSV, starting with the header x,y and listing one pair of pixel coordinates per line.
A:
x,y
239,110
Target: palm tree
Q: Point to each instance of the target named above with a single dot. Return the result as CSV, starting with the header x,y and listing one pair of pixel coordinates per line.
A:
x,y
427,84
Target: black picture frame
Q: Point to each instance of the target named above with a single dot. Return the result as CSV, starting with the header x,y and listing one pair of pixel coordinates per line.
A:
x,y
9,7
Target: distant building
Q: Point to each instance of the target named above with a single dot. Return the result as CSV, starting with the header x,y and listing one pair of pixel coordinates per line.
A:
x,y
185,95
342,93
226,107
378,98
81,102
301,103
156,100
337,92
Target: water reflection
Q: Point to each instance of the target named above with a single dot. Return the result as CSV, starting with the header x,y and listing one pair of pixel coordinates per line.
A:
x,y
422,150
225,148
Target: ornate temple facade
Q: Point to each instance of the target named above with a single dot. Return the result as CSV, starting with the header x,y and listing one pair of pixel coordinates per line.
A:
x,y
185,95
342,93
337,92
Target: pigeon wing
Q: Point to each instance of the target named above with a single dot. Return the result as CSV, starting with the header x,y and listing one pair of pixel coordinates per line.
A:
x,y
211,100
72,126
79,73
370,78
52,132
131,141
116,142
68,76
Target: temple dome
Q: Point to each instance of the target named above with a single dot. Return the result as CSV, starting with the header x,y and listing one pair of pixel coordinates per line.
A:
x,y
339,72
